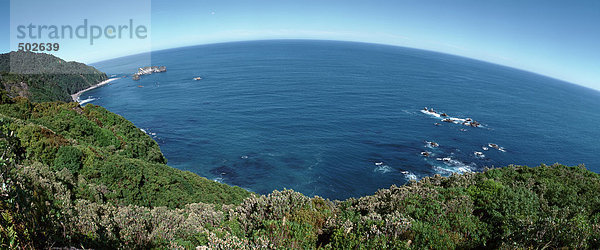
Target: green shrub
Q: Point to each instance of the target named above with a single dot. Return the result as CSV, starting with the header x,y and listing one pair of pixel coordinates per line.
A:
x,y
68,157
84,177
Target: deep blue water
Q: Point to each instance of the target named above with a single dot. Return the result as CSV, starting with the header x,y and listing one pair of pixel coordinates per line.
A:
x,y
340,119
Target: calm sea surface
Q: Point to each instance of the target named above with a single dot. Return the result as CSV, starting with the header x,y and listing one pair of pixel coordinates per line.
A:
x,y
339,119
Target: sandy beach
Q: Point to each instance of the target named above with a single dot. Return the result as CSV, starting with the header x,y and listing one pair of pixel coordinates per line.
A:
x,y
76,95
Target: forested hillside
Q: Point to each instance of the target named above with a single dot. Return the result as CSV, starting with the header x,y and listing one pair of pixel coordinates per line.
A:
x,y
44,77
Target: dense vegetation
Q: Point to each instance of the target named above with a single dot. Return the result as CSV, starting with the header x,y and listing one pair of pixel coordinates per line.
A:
x,y
44,77
83,177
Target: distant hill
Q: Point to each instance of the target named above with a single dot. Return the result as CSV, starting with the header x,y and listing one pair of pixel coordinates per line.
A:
x,y
43,77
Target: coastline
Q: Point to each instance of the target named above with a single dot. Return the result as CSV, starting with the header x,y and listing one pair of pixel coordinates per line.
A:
x,y
75,96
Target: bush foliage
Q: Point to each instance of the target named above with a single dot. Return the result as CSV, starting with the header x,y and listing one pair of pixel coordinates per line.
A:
x,y
73,176
110,159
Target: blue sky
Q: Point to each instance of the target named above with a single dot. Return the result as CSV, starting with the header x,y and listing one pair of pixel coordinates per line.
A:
x,y
560,39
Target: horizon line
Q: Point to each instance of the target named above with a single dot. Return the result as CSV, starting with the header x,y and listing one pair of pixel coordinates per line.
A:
x,y
362,42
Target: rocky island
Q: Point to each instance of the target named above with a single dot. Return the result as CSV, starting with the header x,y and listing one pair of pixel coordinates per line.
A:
x,y
149,71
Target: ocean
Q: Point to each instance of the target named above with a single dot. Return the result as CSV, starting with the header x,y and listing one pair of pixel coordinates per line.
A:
x,y
342,119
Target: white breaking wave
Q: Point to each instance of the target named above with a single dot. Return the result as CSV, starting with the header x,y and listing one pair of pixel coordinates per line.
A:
x,y
383,169
431,113
496,146
455,120
409,176
431,144
81,102
450,166
148,132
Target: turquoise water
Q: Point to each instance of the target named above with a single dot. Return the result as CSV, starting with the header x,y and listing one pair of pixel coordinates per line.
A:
x,y
340,119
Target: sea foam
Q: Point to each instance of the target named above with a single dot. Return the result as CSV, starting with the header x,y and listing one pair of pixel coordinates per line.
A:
x,y
455,120
90,99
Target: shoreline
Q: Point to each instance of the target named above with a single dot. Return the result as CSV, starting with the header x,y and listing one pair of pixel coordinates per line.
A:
x,y
75,96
